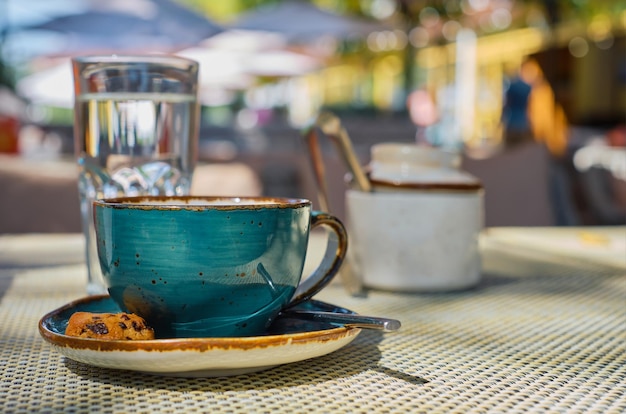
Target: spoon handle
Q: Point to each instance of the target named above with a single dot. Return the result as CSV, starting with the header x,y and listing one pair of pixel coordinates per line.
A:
x,y
346,319
330,124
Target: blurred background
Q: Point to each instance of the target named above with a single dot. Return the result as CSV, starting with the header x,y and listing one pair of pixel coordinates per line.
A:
x,y
530,93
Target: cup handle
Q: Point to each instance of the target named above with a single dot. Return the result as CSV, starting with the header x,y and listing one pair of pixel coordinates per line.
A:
x,y
336,249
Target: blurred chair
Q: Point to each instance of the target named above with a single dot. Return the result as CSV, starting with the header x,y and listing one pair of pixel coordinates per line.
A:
x,y
603,197
517,186
41,196
38,196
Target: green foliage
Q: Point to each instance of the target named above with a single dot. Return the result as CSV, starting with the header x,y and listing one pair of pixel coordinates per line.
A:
x,y
225,11
6,75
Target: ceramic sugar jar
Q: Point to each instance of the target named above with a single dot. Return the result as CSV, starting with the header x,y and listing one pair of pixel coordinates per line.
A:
x,y
418,229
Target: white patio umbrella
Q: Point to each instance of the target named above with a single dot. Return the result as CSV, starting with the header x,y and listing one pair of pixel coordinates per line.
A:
x,y
222,62
52,86
245,40
219,75
221,71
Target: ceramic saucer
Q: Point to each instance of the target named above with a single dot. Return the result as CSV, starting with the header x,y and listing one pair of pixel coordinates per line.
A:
x,y
288,340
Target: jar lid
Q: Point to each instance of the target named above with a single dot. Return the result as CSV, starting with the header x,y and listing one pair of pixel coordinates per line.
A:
x,y
410,166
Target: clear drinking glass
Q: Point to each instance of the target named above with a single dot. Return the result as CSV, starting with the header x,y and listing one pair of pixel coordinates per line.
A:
x,y
136,133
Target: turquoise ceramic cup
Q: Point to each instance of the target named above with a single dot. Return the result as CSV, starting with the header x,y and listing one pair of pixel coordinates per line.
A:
x,y
211,266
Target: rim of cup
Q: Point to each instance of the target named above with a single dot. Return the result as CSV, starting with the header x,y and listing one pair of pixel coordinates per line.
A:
x,y
201,202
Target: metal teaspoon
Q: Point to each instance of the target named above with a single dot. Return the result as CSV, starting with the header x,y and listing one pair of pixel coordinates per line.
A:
x,y
346,319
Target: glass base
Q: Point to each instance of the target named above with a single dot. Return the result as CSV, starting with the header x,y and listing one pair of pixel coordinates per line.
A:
x,y
96,289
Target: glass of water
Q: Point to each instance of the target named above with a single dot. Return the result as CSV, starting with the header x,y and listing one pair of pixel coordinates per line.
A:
x,y
135,130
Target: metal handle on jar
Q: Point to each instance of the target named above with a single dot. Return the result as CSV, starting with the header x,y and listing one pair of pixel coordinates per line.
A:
x,y
331,126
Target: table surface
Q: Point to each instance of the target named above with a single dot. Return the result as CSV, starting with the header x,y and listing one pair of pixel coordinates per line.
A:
x,y
545,331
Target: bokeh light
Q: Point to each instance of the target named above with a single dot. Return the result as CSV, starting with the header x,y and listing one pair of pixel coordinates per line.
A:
x,y
419,37
479,5
450,29
578,47
429,17
382,9
501,18
599,31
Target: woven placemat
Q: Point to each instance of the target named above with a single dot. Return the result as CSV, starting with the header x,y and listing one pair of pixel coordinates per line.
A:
x,y
534,336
